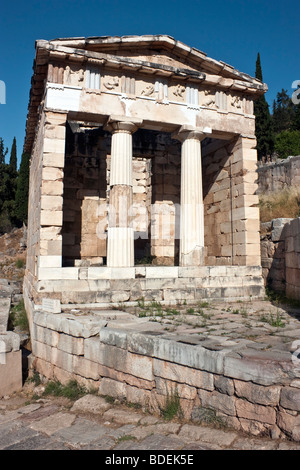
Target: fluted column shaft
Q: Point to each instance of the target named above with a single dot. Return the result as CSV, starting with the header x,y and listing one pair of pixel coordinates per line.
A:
x,y
191,247
120,240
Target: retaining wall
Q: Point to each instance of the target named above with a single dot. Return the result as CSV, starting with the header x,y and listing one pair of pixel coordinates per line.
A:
x,y
135,361
278,175
280,255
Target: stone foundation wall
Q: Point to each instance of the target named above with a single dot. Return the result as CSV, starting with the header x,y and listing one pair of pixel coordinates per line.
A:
x,y
249,394
279,175
106,286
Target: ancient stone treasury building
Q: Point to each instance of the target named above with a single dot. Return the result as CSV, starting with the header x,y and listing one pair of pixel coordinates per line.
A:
x,y
143,174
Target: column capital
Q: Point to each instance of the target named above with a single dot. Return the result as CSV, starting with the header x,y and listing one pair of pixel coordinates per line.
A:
x,y
190,132
122,124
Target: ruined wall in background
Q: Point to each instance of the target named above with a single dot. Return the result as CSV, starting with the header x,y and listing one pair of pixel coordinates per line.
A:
x,y
279,175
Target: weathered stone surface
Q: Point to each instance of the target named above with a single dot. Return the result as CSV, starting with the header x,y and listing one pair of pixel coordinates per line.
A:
x,y
257,394
258,371
289,424
290,398
53,423
218,401
191,356
177,373
223,384
253,412
91,403
207,435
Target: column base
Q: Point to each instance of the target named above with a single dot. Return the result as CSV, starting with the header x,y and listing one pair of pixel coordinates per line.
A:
x,y
193,258
120,247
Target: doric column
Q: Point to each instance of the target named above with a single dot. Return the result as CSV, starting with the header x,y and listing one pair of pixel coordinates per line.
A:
x,y
120,240
191,247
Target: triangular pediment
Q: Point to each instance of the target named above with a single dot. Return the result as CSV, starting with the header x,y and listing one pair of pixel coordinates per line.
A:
x,y
162,51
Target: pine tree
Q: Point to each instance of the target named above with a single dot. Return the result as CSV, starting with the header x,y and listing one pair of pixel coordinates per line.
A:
x,y
21,200
263,123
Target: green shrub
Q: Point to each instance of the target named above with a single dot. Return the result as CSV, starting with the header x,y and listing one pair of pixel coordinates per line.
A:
x,y
18,317
71,390
172,408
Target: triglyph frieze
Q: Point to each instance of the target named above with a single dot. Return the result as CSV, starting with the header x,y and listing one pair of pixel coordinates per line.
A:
x,y
159,89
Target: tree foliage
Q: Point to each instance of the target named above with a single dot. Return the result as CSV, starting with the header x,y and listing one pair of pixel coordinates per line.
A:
x,y
13,188
287,143
21,199
263,122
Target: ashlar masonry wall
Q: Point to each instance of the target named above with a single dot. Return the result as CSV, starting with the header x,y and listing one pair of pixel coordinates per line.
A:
x,y
278,175
280,254
249,393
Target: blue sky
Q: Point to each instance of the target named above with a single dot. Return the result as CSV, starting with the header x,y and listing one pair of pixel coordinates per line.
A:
x,y
229,30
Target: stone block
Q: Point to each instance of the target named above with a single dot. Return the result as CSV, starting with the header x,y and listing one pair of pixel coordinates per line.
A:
x,y
290,398
57,273
49,217
257,371
49,261
193,271
51,305
166,387
218,401
181,374
161,272
52,188
70,344
254,412
294,227
278,228
9,341
54,145
192,356
223,385
290,424
56,160
52,203
50,233
99,272
85,326
62,359
122,273
85,368
52,173
10,373
257,393
112,388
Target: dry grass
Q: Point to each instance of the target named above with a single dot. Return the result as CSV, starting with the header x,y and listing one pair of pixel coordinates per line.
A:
x,y
285,203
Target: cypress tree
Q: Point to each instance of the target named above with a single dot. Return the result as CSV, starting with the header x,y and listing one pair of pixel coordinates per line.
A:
x,y
21,200
263,123
13,156
5,224
3,152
